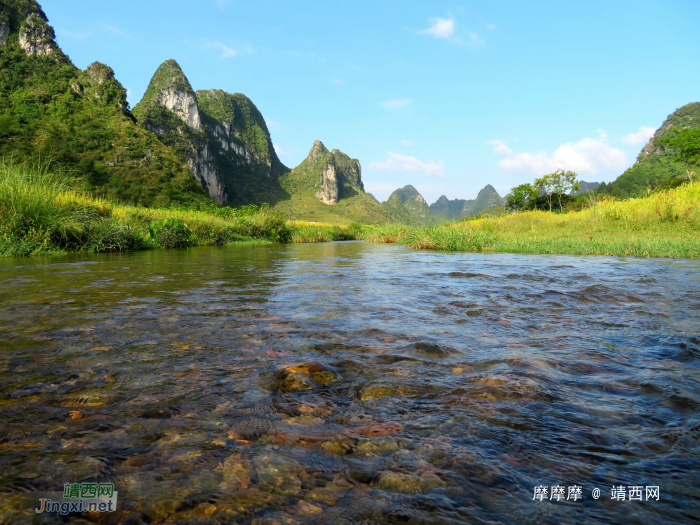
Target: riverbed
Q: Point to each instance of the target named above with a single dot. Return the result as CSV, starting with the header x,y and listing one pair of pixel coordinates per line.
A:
x,y
351,383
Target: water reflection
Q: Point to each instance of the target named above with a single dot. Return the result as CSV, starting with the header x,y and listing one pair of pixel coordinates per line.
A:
x,y
350,383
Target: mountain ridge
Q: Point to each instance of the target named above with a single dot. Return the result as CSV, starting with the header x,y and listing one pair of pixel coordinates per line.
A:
x,y
445,209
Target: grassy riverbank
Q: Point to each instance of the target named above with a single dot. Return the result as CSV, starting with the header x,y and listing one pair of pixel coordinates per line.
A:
x,y
41,213
664,224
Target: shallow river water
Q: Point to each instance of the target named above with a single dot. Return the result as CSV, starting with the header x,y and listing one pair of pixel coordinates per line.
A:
x,y
351,383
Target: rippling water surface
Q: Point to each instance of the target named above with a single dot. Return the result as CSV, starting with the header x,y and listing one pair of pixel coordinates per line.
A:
x,y
350,383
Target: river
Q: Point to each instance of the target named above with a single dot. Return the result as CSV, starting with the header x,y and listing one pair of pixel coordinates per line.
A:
x,y
351,383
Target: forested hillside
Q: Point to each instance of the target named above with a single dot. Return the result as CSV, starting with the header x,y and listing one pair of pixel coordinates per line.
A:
x,y
50,109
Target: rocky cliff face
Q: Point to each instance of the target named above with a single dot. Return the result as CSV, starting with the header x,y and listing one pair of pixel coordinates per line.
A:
x,y
170,90
36,36
328,192
181,102
4,30
222,137
233,121
29,23
331,175
350,168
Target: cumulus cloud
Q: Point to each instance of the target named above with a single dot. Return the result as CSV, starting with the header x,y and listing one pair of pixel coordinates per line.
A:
x,y
641,137
440,28
588,155
398,162
447,29
396,104
501,148
280,152
407,143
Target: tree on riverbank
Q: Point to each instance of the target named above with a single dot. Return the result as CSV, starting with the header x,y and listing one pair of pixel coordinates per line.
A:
x,y
555,187
545,191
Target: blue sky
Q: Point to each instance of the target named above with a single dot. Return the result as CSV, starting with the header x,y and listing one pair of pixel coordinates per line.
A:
x,y
446,96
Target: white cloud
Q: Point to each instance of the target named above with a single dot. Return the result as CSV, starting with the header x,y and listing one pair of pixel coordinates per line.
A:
x,y
337,81
588,155
641,137
396,104
398,162
407,143
274,125
280,152
74,36
500,147
491,27
221,3
128,95
440,28
116,31
447,29
226,52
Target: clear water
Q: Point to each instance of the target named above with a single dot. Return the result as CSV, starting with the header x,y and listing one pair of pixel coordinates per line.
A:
x,y
350,383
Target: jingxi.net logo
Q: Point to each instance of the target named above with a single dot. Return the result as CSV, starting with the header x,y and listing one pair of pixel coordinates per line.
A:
x,y
82,497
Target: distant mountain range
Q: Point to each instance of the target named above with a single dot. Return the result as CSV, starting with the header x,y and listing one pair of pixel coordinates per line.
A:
x,y
450,210
179,146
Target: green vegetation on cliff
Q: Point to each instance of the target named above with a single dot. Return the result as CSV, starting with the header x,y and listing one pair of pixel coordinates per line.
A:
x,y
655,167
408,206
51,109
312,180
450,210
238,111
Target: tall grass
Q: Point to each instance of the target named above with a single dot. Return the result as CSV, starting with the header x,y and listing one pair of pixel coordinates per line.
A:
x,y
664,224
40,212
307,232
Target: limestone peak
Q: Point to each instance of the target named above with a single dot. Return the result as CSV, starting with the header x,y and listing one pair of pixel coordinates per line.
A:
x,y
27,20
317,150
408,192
169,87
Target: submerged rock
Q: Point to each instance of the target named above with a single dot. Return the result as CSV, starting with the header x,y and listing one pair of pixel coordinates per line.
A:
x,y
413,483
433,350
305,376
376,391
